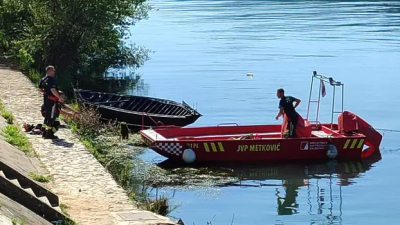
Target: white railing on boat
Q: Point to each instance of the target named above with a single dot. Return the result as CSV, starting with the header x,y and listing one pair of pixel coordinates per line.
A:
x,y
324,79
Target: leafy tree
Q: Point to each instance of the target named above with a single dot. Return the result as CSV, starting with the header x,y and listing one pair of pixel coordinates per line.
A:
x,y
81,38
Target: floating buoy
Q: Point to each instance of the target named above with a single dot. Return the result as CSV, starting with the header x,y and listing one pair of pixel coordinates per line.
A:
x,y
188,156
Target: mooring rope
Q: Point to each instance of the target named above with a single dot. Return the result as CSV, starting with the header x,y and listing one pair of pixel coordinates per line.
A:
x,y
389,130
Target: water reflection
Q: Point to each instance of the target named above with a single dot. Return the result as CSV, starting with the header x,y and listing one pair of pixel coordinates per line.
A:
x,y
322,182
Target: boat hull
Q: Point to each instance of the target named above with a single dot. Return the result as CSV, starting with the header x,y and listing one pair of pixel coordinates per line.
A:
x,y
138,111
138,120
261,150
266,146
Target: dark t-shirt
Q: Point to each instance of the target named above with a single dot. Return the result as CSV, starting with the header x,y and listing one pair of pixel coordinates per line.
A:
x,y
42,86
287,104
41,82
49,83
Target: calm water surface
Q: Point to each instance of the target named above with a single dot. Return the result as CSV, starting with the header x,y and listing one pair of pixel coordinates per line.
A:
x,y
203,50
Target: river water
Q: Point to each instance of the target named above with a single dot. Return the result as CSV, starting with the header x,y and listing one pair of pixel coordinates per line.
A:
x,y
202,53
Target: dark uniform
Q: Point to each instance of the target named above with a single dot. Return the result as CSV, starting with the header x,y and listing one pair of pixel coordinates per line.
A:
x,y
50,106
287,103
41,87
59,107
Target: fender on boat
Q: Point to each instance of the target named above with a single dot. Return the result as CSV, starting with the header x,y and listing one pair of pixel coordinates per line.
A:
x,y
331,151
350,123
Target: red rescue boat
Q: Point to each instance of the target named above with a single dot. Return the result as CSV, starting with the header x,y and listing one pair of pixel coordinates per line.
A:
x,y
345,139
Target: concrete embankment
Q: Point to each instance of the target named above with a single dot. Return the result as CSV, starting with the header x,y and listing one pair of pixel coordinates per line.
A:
x,y
80,181
10,211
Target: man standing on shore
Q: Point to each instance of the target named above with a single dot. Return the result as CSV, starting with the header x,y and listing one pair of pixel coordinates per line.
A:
x,y
43,92
51,98
286,107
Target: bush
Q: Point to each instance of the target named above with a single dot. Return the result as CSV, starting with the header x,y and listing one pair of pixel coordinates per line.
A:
x,y
90,125
80,38
100,137
34,76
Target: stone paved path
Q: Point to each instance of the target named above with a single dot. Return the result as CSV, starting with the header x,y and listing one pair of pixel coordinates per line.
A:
x,y
81,182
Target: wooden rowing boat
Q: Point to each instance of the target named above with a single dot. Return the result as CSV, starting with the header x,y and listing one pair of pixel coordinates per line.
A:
x,y
138,111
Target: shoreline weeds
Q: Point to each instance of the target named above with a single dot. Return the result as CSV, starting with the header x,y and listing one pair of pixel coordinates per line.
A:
x,y
82,183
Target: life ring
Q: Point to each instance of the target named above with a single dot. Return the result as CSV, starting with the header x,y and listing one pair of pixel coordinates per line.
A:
x,y
331,151
188,155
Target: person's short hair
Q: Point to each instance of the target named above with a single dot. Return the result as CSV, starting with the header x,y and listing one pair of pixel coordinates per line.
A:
x,y
50,67
281,90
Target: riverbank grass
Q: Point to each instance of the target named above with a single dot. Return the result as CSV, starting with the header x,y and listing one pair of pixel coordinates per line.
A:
x,y
160,205
15,137
18,221
9,117
41,178
13,133
104,141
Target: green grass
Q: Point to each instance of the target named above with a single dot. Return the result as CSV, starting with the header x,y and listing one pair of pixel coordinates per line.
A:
x,y
41,178
18,221
160,206
5,114
13,133
64,208
14,136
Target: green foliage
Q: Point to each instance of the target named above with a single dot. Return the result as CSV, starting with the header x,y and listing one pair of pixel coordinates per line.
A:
x,y
14,136
8,116
40,178
25,59
18,221
64,208
159,205
75,106
81,38
93,134
5,114
34,76
103,141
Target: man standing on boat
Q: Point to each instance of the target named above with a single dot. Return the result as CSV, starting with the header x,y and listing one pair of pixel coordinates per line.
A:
x,y
286,107
51,98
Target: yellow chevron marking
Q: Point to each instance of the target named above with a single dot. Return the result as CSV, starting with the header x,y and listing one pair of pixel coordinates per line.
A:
x,y
347,143
360,144
206,147
214,148
353,167
221,147
346,168
354,143
360,167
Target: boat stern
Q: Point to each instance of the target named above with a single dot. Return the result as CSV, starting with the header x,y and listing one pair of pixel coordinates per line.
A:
x,y
169,148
